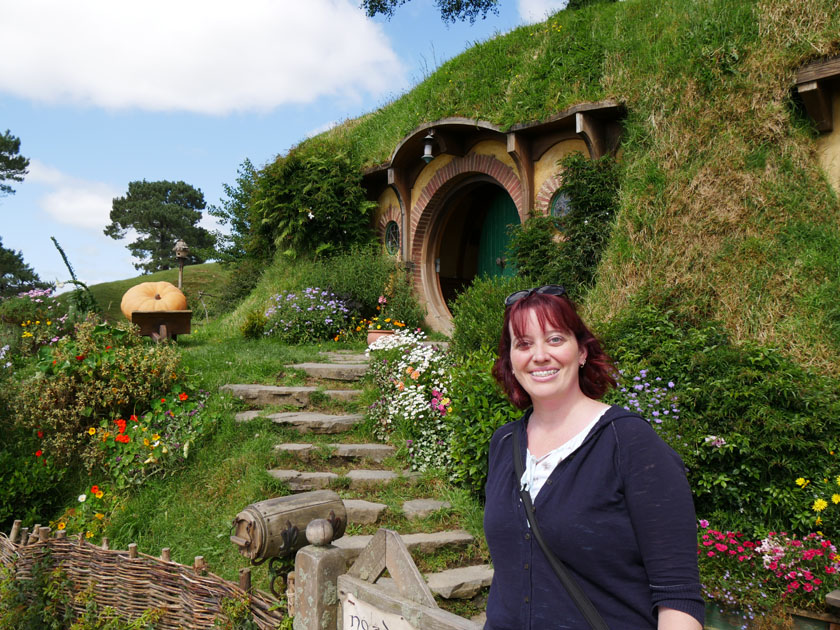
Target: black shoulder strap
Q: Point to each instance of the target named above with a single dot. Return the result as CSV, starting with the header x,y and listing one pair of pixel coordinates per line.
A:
x,y
584,604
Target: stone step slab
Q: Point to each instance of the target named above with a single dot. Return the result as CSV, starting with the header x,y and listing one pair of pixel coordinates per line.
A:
x,y
460,583
363,479
304,481
352,546
363,512
265,395
340,356
421,508
307,421
373,452
334,371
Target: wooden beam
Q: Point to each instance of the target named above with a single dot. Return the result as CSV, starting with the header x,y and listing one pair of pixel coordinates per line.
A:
x,y
818,70
591,131
398,181
817,100
520,150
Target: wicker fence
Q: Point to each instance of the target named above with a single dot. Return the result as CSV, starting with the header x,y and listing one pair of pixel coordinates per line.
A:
x,y
132,582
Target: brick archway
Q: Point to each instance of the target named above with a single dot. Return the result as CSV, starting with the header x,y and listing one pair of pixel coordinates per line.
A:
x,y
445,180
542,202
428,209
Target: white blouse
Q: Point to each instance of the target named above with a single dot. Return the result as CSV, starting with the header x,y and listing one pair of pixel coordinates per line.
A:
x,y
537,471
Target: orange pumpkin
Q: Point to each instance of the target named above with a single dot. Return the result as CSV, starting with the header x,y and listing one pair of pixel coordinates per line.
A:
x,y
153,296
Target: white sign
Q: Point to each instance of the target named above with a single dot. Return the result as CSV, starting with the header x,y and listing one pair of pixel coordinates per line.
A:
x,y
360,615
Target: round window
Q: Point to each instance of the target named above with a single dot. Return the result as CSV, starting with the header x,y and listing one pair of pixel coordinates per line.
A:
x,y
392,238
560,204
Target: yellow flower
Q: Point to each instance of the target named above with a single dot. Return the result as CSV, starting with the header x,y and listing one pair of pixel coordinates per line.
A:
x,y
387,319
91,431
146,441
26,334
100,494
802,482
61,526
837,479
49,323
99,515
37,322
818,522
155,436
820,505
88,534
835,498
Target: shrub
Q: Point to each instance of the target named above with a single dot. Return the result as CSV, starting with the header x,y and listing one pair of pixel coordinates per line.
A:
x,y
361,276
750,420
254,325
478,314
102,372
310,202
33,319
237,285
412,380
479,407
567,249
313,314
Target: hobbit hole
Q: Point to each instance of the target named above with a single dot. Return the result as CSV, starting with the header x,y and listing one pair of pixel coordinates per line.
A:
x,y
452,189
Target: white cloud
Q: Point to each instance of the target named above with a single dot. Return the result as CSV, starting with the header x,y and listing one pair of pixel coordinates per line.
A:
x,y
321,128
204,56
73,201
537,10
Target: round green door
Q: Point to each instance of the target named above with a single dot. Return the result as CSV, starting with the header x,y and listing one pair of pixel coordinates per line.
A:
x,y
492,249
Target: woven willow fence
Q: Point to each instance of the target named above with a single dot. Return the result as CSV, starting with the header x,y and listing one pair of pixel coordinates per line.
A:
x,y
131,582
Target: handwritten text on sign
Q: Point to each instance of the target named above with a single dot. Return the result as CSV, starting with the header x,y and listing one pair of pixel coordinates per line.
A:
x,y
359,615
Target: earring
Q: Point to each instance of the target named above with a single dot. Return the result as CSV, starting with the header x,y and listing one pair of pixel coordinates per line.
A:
x,y
582,363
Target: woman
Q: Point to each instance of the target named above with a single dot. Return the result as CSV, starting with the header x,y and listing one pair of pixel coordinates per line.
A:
x,y
610,497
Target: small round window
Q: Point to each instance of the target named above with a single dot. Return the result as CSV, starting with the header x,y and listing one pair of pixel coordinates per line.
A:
x,y
560,204
392,238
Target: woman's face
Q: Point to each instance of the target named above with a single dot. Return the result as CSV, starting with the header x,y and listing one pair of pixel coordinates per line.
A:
x,y
546,362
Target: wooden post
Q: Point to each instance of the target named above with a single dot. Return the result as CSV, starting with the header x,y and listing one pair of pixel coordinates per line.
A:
x,y
165,554
132,550
61,534
33,538
199,565
24,536
245,579
105,543
15,530
44,534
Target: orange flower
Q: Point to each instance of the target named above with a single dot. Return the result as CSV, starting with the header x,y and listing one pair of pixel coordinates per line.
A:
x,y
182,396
94,489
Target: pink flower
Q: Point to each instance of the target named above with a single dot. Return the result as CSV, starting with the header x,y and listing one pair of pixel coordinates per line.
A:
x,y
711,554
721,547
808,587
704,523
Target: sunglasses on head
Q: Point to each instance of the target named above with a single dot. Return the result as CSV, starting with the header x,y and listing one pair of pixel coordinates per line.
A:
x,y
550,289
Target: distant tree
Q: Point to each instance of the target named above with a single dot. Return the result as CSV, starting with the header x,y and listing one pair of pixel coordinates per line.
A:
x,y
15,275
450,10
12,166
234,211
161,213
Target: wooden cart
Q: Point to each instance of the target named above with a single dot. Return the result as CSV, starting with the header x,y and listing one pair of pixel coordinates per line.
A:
x,y
162,324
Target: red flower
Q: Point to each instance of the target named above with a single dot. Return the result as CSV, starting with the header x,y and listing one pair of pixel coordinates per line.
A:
x,y
107,347
182,397
133,418
38,453
80,357
163,400
40,434
94,489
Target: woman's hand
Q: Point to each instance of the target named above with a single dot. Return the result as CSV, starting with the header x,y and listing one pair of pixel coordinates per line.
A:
x,y
670,619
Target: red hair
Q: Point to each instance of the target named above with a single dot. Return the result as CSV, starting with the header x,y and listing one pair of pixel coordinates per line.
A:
x,y
596,376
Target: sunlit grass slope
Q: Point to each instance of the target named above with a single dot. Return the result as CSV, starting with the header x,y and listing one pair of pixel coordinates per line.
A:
x,y
725,213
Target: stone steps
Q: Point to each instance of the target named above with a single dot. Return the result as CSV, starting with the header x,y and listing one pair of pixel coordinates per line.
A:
x,y
359,479
373,452
265,395
460,583
352,546
344,356
363,512
306,421
333,371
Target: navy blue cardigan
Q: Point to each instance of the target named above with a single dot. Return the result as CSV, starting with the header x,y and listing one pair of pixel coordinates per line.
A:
x,y
617,511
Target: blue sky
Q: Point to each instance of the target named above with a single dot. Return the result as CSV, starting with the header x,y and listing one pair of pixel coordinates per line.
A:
x,y
102,93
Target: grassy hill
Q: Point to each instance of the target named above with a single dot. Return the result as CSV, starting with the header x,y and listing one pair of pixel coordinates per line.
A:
x,y
725,214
